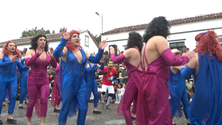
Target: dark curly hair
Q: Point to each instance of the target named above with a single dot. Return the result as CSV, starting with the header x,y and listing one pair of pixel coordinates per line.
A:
x,y
159,26
135,39
34,44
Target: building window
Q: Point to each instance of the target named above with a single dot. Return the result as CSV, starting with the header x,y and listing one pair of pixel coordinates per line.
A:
x,y
177,45
86,40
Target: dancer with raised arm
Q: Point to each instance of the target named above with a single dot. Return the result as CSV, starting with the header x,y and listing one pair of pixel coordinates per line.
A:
x,y
153,106
73,86
131,58
38,85
205,108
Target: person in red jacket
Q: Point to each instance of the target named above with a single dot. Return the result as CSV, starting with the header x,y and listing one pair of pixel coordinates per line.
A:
x,y
107,83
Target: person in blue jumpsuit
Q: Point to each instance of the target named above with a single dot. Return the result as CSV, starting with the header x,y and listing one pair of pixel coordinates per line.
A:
x,y
72,80
23,83
9,60
205,108
179,86
91,84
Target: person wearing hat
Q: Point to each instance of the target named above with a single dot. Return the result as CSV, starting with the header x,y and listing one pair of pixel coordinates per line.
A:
x,y
178,84
107,83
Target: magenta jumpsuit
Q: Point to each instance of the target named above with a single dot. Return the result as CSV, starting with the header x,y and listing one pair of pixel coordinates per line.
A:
x,y
38,84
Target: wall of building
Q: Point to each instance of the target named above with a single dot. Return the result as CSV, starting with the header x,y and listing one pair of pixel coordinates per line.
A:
x,y
179,33
91,48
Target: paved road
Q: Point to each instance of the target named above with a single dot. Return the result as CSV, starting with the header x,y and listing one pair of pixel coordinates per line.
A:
x,y
108,117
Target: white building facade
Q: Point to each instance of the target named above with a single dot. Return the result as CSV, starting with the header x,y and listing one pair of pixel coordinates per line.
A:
x,y
183,31
88,42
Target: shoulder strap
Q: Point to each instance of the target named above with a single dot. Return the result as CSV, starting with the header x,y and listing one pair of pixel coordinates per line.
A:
x,y
144,57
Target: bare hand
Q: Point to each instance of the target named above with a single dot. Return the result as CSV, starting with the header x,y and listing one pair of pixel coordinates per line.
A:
x,y
111,49
103,44
40,50
14,58
65,34
51,53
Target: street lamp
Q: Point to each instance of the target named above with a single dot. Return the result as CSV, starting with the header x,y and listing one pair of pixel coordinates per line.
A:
x,y
101,19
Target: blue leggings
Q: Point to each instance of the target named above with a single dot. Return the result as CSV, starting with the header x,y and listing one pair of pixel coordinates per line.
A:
x,y
11,85
93,89
73,98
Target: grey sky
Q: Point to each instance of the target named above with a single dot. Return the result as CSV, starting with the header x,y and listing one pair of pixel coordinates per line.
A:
x,y
17,15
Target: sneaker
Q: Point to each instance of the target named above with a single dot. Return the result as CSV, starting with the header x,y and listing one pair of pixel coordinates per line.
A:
x,y
107,107
102,105
1,121
56,110
11,121
174,123
97,112
21,107
116,102
3,104
188,124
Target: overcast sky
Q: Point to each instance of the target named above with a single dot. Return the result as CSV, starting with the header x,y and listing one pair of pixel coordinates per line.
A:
x,y
19,15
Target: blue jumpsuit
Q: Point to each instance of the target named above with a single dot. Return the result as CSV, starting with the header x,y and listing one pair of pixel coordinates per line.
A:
x,y
91,84
179,85
8,80
23,82
73,86
205,108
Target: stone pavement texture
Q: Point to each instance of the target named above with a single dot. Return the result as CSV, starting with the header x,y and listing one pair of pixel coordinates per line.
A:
x,y
108,117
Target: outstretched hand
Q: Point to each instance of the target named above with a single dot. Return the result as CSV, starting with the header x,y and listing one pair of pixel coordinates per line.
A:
x,y
112,50
50,53
103,44
14,58
65,34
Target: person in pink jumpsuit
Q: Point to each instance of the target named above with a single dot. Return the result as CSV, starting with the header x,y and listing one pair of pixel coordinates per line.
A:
x,y
153,106
56,97
131,58
38,87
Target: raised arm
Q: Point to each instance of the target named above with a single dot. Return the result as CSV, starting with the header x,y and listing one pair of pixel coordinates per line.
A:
x,y
190,68
61,50
95,59
167,55
29,59
116,59
52,58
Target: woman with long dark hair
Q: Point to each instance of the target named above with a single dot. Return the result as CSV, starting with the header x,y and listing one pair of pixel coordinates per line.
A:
x,y
131,58
206,68
153,106
38,87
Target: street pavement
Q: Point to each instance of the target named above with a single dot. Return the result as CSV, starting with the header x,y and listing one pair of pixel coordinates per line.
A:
x,y
108,116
